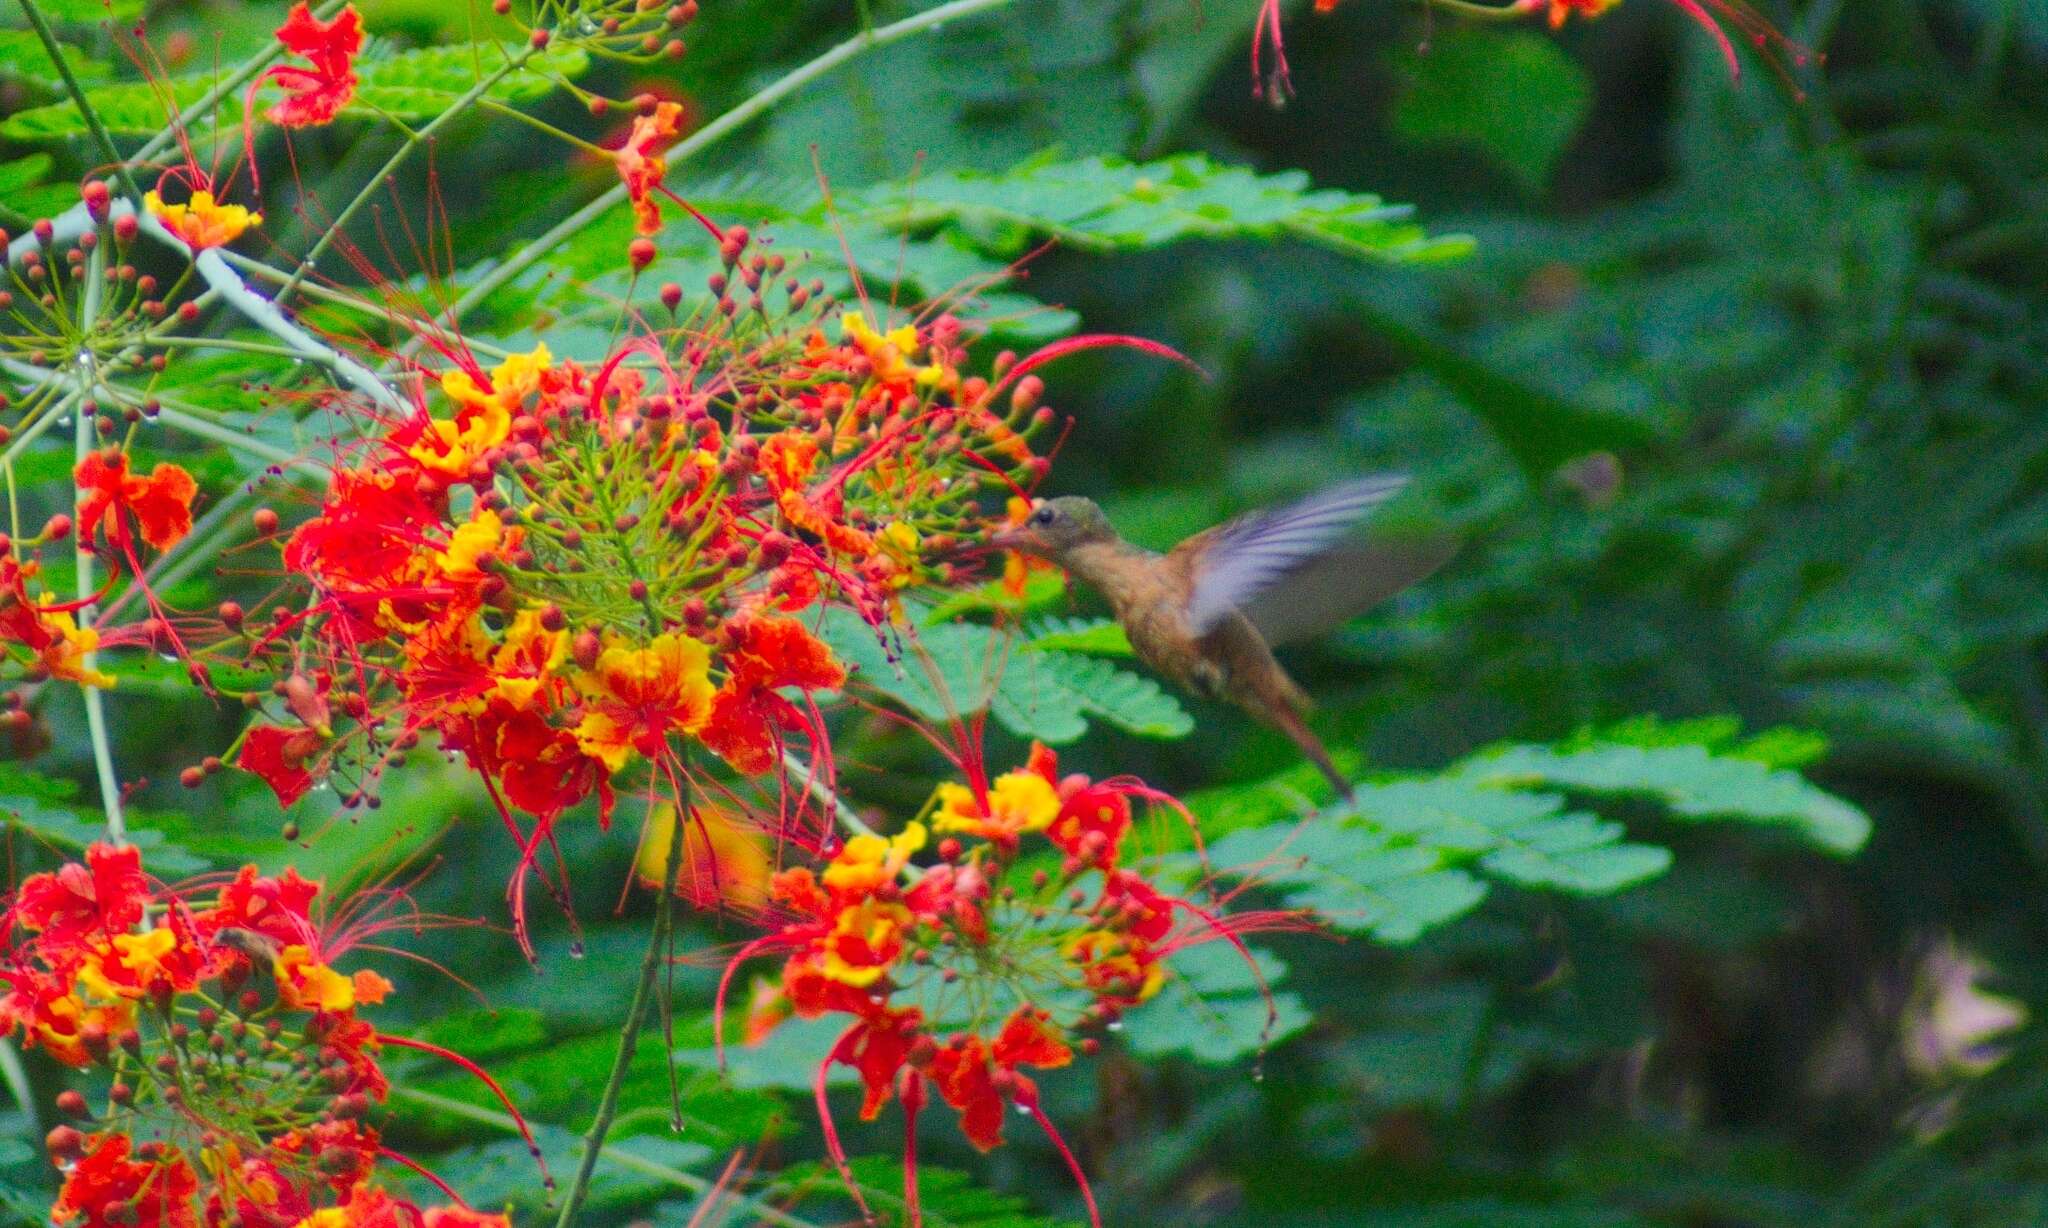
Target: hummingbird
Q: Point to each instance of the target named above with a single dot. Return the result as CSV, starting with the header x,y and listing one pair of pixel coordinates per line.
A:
x,y
1208,613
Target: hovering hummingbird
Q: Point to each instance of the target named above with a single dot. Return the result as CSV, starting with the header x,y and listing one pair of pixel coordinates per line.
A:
x,y
1208,613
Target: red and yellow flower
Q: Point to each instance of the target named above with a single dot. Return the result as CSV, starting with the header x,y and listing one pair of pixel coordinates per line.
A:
x,y
316,91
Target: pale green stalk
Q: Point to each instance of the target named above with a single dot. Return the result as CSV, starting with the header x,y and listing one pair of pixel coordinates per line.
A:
x,y
82,535
636,1014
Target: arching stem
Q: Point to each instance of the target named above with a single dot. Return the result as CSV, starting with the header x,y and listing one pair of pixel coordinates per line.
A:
x,y
629,1033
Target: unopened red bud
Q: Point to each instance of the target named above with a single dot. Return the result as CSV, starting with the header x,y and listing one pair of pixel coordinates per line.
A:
x,y
96,198
265,520
211,764
949,849
671,295
71,1103
501,7
585,647
231,615
57,527
640,253
188,311
1026,393
65,1144
552,618
637,590
191,778
121,1094
540,38
44,231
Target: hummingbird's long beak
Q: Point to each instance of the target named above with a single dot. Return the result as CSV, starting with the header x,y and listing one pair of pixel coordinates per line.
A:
x,y
1018,537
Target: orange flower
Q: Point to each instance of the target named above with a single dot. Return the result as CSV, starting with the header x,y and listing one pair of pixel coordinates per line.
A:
x,y
483,415
161,503
867,862
279,757
105,896
638,696
747,714
641,167
106,1189
864,942
965,1080
1014,803
202,221
1560,10
315,95
462,1217
308,984
787,461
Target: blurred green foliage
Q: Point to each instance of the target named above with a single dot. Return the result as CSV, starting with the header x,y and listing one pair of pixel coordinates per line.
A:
x,y
1806,334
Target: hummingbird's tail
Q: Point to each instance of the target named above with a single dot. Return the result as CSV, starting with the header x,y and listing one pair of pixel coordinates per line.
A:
x,y
1288,719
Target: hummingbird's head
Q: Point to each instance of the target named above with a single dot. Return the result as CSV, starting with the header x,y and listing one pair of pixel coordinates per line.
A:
x,y
1056,526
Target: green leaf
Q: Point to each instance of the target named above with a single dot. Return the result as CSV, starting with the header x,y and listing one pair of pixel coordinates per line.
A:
x,y
24,58
1514,94
947,1198
24,172
1400,857
47,810
1360,880
411,85
1214,1008
1109,204
90,12
501,1174
1102,637
957,669
1691,781
559,1082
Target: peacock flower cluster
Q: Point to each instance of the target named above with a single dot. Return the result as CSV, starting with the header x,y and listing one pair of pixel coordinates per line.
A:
x,y
239,1071
569,573
1026,938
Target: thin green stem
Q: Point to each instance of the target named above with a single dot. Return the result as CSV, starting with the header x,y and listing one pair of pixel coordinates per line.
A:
x,y
85,108
651,963
617,1156
710,134
192,423
15,1074
412,141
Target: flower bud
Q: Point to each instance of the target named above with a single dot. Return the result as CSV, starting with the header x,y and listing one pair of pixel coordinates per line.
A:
x,y
640,253
65,1144
584,648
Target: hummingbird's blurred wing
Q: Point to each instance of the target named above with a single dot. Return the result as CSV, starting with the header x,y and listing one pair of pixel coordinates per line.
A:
x,y
1337,586
1289,570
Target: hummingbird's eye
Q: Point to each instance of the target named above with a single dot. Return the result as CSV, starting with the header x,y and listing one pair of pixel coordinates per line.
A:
x,y
1044,516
